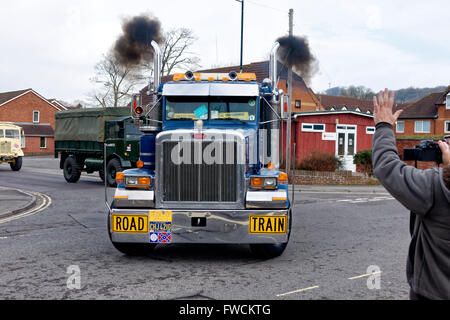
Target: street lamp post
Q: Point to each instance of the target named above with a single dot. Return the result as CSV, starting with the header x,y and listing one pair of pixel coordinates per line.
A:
x,y
242,30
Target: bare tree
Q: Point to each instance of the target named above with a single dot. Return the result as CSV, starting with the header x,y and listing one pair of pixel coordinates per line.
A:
x,y
116,82
176,53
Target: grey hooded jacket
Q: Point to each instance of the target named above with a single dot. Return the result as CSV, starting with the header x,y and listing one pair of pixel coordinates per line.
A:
x,y
424,193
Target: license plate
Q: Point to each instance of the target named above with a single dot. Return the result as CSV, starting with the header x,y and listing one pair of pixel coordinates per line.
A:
x,y
268,224
129,223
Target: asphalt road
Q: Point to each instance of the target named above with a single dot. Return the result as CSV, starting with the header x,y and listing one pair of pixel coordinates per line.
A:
x,y
336,238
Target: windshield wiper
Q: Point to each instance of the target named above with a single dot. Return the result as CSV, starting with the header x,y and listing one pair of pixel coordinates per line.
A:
x,y
235,119
190,119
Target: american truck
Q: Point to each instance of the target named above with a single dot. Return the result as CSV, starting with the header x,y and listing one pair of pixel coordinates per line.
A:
x,y
209,165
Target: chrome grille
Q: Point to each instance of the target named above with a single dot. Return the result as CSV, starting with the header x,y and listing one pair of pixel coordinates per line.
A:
x,y
199,182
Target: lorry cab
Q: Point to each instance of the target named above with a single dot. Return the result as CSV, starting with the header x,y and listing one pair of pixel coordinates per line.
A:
x,y
11,145
122,144
215,176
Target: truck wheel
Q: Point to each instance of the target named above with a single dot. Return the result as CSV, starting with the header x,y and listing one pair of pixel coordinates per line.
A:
x,y
71,172
101,173
111,169
130,249
269,251
17,164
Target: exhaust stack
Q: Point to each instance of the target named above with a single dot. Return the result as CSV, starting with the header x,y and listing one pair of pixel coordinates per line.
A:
x,y
156,66
155,114
274,125
273,68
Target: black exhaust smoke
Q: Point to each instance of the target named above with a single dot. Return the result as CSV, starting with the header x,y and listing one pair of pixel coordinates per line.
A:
x,y
295,52
133,46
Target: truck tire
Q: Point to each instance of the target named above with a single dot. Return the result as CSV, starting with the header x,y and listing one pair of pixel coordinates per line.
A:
x,y
101,173
17,164
129,249
112,168
273,250
71,172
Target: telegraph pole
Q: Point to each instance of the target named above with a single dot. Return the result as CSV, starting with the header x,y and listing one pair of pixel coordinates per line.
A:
x,y
289,84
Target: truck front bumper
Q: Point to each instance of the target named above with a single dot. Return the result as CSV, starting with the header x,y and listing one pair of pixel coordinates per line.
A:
x,y
206,226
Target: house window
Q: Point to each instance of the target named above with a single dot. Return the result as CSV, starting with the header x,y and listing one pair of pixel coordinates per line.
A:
x,y
22,141
36,115
370,130
313,127
422,126
447,126
298,104
43,143
400,126
447,102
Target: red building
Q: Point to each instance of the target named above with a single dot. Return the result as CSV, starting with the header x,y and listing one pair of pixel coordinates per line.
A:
x,y
35,114
341,133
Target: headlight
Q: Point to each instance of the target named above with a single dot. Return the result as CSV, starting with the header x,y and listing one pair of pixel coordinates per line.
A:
x,y
263,183
138,182
132,181
270,183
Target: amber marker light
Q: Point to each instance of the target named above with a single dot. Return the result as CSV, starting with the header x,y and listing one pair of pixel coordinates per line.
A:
x,y
283,178
140,164
120,177
144,181
256,182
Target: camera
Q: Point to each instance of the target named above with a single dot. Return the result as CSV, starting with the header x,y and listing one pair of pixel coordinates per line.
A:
x,y
427,150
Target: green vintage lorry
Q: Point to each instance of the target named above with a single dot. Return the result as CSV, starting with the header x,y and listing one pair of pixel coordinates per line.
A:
x,y
80,138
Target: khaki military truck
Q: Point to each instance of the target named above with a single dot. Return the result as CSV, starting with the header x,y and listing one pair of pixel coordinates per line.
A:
x,y
11,145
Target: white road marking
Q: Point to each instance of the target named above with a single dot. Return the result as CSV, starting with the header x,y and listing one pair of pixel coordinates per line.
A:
x,y
342,192
362,200
46,202
297,291
365,275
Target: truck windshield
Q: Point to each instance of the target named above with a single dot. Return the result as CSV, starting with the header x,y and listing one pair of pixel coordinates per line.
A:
x,y
12,134
132,132
211,108
1,133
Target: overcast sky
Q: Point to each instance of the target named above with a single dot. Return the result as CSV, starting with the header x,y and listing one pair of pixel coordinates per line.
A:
x,y
52,45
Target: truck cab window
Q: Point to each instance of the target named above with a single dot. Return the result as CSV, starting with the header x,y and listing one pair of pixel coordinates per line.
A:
x,y
186,108
211,108
120,130
233,108
131,131
110,130
12,134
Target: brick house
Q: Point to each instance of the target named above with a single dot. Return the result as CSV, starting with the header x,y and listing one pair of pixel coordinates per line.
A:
x,y
303,98
35,114
429,116
425,119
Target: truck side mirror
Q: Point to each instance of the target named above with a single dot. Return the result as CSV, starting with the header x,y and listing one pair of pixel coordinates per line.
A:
x,y
283,106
